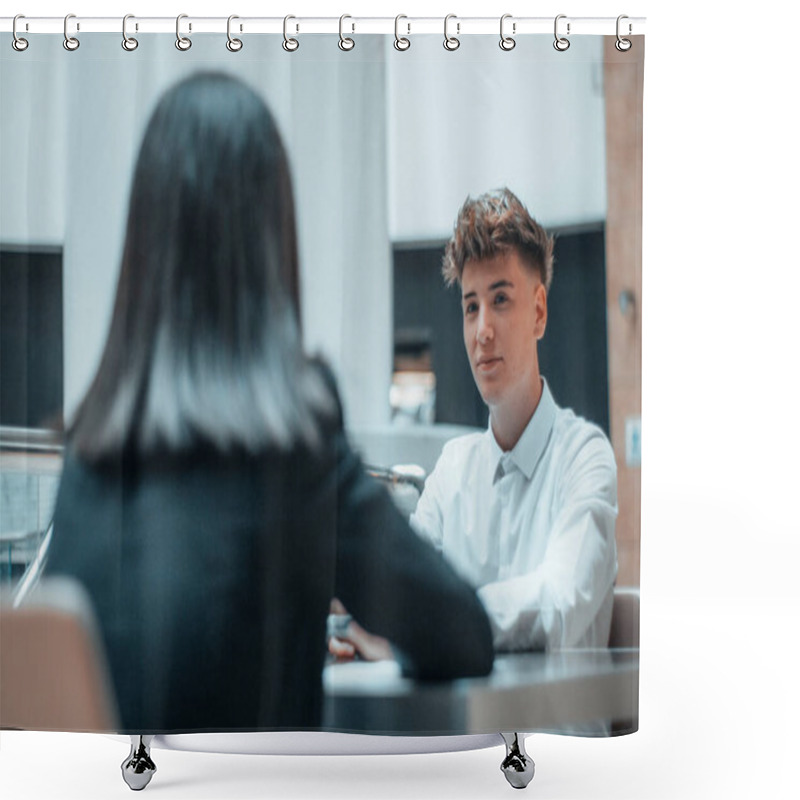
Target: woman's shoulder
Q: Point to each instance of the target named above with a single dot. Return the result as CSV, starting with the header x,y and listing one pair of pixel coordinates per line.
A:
x,y
325,372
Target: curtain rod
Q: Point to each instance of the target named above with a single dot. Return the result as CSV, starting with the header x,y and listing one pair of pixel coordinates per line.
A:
x,y
405,26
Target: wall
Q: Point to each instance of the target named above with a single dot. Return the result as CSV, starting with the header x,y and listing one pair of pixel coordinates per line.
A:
x,y
624,86
465,122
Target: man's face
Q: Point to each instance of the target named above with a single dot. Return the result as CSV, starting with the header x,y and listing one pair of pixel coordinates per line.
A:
x,y
504,306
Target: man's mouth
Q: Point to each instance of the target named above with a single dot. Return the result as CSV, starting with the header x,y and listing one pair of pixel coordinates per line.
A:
x,y
486,363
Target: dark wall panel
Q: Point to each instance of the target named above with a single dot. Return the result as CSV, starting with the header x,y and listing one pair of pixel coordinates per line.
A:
x,y
31,338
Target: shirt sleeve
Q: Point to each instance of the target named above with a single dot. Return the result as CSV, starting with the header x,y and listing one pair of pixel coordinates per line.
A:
x,y
554,605
427,519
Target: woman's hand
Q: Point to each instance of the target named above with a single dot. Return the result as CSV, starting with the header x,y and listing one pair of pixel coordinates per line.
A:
x,y
347,639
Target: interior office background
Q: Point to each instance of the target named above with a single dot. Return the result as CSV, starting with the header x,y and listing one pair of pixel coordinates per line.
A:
x,y
385,147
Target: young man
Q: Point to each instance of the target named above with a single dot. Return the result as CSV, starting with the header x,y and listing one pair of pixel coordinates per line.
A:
x,y
526,510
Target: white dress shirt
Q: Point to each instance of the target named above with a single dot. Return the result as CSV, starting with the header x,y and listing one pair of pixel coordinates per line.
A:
x,y
532,529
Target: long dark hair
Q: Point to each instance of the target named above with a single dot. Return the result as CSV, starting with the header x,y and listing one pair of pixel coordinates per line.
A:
x,y
204,345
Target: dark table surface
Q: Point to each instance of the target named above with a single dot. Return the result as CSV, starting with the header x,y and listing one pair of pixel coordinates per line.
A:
x,y
569,691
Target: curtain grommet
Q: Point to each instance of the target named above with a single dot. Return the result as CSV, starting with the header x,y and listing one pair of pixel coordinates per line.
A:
x,y
561,43
289,44
233,44
345,42
128,42
71,43
183,43
451,43
507,43
623,45
401,43
17,42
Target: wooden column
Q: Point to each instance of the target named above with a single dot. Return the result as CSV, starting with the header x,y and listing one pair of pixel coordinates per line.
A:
x,y
623,80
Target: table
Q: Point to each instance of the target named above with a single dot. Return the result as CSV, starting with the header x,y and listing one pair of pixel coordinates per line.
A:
x,y
567,691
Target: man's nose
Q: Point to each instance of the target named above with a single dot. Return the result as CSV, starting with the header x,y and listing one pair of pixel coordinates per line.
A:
x,y
485,326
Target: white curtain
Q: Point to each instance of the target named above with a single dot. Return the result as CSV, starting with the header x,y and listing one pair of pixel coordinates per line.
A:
x,y
70,129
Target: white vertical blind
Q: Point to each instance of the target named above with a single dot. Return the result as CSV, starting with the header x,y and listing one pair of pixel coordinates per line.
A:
x,y
70,130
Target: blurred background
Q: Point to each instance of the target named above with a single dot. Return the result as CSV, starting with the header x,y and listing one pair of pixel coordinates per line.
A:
x,y
385,147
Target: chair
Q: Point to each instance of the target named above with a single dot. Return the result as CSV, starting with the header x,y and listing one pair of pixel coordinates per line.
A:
x,y
53,672
53,675
625,634
625,618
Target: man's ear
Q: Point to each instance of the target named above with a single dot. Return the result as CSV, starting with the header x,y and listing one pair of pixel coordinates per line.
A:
x,y
540,311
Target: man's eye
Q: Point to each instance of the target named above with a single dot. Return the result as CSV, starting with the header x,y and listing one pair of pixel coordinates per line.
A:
x,y
470,308
499,299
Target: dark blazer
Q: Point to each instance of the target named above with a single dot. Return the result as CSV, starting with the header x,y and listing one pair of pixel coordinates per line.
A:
x,y
211,577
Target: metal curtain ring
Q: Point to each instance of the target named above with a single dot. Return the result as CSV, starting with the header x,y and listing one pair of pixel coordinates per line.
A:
x,y
451,42
623,45
561,43
289,44
507,42
181,42
70,42
400,42
345,42
128,42
233,44
18,43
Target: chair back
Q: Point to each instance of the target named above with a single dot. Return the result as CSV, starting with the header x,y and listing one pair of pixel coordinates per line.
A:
x,y
625,618
53,674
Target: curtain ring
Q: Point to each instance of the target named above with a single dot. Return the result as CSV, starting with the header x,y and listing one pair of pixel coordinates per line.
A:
x,y
400,42
18,43
623,45
345,42
128,42
181,42
70,42
507,42
289,44
561,43
233,44
451,42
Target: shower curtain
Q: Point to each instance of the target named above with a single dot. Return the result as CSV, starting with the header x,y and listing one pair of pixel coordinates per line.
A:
x,y
385,143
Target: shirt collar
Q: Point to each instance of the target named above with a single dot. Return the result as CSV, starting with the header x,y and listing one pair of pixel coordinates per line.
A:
x,y
528,450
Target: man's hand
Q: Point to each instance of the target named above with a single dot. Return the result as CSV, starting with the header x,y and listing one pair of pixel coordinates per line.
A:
x,y
352,640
